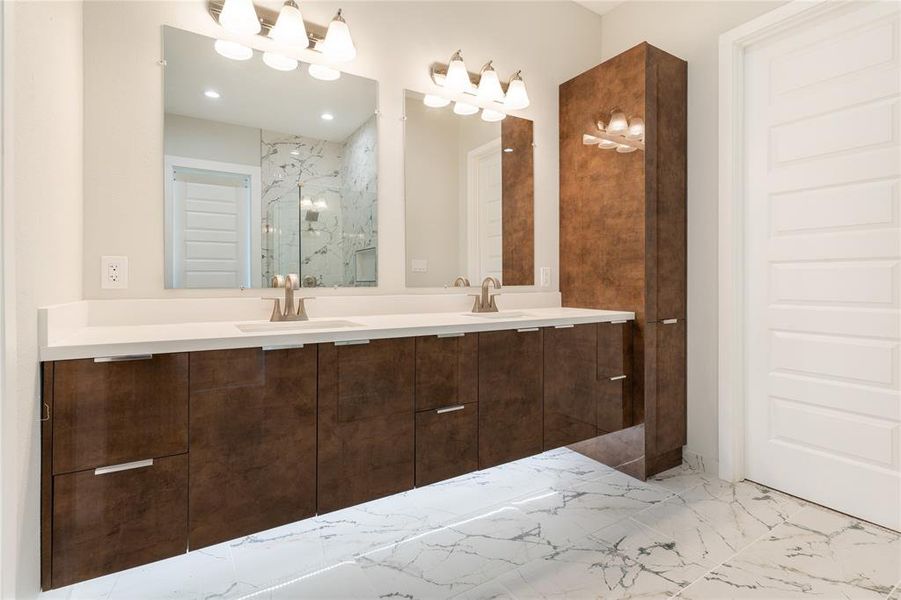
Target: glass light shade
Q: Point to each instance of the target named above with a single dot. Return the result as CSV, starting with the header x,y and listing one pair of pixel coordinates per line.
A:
x,y
320,204
338,45
232,50
279,62
433,101
492,116
457,79
618,124
623,149
323,73
289,27
306,202
607,144
636,129
464,109
517,97
490,89
239,16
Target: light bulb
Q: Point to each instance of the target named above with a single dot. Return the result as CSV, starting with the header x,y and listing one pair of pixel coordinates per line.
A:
x,y
607,144
232,50
492,116
490,89
279,62
624,149
464,109
323,73
636,129
433,101
457,79
239,16
306,202
618,124
289,27
517,98
338,45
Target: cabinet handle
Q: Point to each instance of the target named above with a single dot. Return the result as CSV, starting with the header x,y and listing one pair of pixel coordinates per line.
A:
x,y
124,467
617,378
450,335
123,358
669,321
45,411
352,343
448,409
618,322
570,326
283,347
527,329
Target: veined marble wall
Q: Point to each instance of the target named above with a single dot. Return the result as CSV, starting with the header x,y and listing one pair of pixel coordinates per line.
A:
x,y
305,178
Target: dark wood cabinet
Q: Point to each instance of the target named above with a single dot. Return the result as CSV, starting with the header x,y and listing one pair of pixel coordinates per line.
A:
x,y
253,428
104,523
670,387
570,384
510,396
366,421
118,411
614,404
447,442
446,370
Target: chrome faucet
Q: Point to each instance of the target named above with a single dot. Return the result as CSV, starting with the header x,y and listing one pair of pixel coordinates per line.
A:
x,y
290,283
461,282
484,302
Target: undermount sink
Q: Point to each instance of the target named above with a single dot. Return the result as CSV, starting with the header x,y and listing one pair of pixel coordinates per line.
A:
x,y
294,326
504,314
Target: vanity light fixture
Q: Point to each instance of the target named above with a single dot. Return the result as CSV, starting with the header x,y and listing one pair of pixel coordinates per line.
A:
x,y
433,101
306,202
464,109
492,116
489,94
323,72
213,94
320,204
233,50
517,97
457,78
338,45
279,62
239,17
289,28
625,135
490,89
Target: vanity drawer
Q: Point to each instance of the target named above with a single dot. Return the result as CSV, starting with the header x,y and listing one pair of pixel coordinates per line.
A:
x,y
106,522
374,379
614,404
447,442
446,370
118,410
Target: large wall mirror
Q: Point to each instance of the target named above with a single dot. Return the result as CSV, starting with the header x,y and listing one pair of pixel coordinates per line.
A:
x,y
266,172
469,197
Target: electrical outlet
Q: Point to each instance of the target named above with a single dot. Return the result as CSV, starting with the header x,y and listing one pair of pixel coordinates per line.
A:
x,y
419,265
114,272
545,276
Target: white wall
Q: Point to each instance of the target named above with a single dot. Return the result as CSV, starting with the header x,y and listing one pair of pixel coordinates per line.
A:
x,y
396,42
690,30
211,140
42,213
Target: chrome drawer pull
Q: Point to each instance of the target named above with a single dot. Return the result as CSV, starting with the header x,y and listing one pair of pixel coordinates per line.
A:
x,y
527,329
570,326
448,409
450,335
617,322
283,347
123,467
669,321
617,378
123,358
352,343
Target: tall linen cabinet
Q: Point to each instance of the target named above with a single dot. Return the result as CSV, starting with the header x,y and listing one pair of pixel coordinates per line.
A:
x,y
623,239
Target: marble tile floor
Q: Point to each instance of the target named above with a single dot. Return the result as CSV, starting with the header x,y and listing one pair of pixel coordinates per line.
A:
x,y
557,525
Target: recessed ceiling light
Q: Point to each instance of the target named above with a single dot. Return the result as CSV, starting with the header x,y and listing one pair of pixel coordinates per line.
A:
x,y
508,149
327,116
295,152
211,94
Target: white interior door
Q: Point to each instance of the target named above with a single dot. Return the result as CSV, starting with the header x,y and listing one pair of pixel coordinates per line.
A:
x,y
485,188
822,167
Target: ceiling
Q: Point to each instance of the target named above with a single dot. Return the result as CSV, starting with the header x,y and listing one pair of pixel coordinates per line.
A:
x,y
600,6
254,95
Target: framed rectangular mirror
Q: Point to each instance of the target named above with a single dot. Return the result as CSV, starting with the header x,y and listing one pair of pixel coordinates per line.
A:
x,y
469,191
267,172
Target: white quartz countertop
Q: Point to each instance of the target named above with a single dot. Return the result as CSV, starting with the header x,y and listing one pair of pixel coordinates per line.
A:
x,y
93,341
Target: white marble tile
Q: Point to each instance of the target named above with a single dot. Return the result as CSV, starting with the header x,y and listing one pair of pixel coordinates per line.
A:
x,y
93,589
681,478
455,558
340,581
896,593
278,554
817,553
492,590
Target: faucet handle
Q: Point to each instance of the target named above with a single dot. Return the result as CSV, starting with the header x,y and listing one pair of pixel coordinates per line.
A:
x,y
477,304
302,309
276,310
492,305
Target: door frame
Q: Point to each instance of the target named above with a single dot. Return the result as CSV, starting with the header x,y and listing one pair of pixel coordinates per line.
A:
x,y
472,205
732,325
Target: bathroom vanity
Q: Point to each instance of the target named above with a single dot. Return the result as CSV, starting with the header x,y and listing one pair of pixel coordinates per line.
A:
x,y
164,438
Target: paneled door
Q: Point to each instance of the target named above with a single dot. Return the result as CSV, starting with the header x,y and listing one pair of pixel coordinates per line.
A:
x,y
822,166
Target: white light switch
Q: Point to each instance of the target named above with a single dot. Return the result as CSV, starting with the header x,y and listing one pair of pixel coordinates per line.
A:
x,y
114,272
545,276
419,265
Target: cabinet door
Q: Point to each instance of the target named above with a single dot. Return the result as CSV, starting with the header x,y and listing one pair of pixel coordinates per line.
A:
x,y
510,396
446,371
107,413
570,384
107,522
447,442
614,404
615,376
253,429
365,421
670,381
